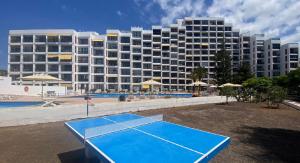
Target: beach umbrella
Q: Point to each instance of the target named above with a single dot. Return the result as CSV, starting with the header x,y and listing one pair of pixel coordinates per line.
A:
x,y
151,82
213,86
197,83
230,85
40,77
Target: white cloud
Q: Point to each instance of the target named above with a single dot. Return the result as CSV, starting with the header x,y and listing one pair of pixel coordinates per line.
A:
x,y
119,13
275,18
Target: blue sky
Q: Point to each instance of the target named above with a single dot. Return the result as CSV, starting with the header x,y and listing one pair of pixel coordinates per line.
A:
x,y
273,17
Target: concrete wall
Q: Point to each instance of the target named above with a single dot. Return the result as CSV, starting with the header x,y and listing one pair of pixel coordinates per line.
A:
x,y
7,89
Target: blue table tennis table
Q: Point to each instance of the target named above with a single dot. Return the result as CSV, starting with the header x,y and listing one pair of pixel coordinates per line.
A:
x,y
134,138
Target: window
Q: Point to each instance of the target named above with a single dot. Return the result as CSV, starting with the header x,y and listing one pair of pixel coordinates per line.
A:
x,y
112,38
147,66
147,37
83,60
27,48
27,38
137,65
112,70
83,41
15,58
53,39
40,48
83,78
66,77
147,51
165,34
125,71
136,72
125,64
125,55
15,68
136,34
98,52
99,61
294,50
40,58
66,38
15,48
40,38
15,39
125,39
112,63
112,46
83,68
147,44
156,32
125,79
98,43
66,48
125,48
27,68
98,70
112,54
147,59
52,48
136,42
276,46
83,50
40,67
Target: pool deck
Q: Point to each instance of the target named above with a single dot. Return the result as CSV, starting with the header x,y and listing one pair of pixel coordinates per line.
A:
x,y
34,115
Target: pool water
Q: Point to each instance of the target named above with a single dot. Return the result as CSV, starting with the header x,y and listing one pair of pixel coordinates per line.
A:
x,y
12,104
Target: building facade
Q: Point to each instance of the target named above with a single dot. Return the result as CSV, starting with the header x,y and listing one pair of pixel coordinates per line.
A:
x,y
121,60
290,57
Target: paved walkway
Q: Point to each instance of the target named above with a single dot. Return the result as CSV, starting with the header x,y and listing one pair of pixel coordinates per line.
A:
x,y
293,104
23,116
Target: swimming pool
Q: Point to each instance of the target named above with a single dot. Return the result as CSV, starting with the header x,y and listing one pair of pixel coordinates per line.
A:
x,y
116,95
12,104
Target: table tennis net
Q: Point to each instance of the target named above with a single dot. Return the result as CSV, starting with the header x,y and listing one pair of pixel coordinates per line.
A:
x,y
118,126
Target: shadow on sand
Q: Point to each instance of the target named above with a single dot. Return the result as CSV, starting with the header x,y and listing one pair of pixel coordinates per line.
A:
x,y
278,144
75,156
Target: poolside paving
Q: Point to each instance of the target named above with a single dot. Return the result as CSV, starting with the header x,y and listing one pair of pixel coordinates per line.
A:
x,y
24,116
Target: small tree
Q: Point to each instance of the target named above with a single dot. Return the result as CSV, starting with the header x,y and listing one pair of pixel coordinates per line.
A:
x,y
228,92
260,87
276,95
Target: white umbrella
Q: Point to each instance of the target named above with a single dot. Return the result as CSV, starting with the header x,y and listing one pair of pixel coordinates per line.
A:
x,y
151,82
199,83
42,78
213,86
230,85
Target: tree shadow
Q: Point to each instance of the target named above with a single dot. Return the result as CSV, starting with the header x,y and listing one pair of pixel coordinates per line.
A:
x,y
276,143
75,156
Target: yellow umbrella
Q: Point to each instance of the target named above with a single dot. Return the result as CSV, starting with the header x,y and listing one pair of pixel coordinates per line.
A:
x,y
40,77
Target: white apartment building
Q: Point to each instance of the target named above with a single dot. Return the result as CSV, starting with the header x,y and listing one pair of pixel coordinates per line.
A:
x,y
290,57
121,60
257,54
272,57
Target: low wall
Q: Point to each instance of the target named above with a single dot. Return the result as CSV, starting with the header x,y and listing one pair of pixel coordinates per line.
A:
x,y
7,89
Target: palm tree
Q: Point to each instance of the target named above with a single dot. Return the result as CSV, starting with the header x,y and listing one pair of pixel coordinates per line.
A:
x,y
196,75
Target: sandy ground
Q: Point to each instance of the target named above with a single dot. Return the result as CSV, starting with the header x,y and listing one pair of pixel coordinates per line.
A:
x,y
257,134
